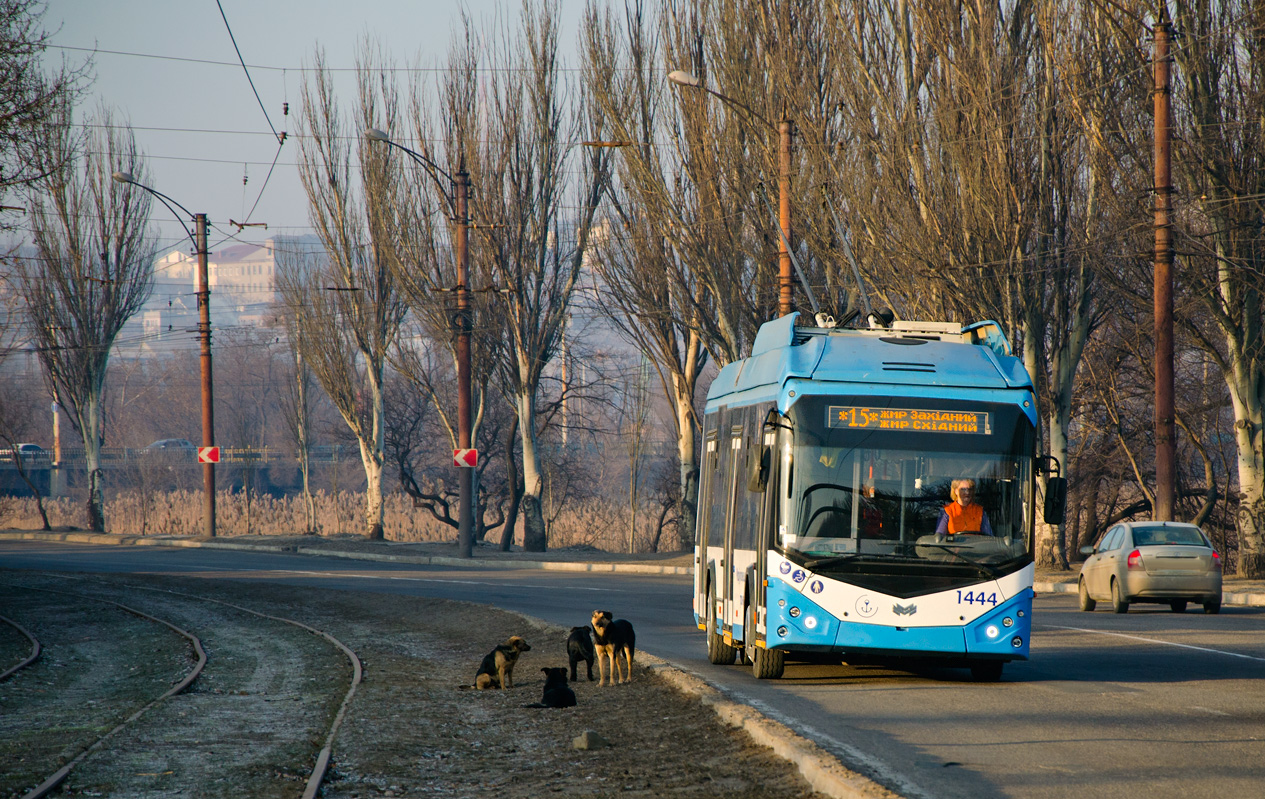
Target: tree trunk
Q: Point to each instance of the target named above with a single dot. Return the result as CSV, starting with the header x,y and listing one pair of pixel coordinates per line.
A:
x,y
90,428
535,537
687,454
373,492
516,493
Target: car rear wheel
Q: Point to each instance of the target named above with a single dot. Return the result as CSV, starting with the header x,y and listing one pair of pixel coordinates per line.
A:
x,y
1212,607
1117,598
987,670
1178,605
1087,603
718,652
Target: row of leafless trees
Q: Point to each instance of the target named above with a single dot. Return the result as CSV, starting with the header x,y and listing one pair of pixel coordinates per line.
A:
x,y
951,160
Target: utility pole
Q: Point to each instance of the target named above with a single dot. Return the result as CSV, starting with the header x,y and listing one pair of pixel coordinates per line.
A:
x,y
1165,433
465,481
784,215
208,407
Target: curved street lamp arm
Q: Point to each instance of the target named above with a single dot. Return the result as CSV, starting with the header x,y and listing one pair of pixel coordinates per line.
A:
x,y
124,177
373,134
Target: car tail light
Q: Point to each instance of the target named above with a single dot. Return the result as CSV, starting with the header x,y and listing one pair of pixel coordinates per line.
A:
x,y
1216,561
1135,559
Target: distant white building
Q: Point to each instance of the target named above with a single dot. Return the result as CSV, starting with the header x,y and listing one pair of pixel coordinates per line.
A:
x,y
243,282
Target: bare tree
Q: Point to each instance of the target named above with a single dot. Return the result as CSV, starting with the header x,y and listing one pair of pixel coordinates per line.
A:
x,y
347,301
535,254
1220,161
30,96
296,409
92,270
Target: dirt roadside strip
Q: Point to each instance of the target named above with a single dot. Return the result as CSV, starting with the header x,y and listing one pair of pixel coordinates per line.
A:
x,y
821,769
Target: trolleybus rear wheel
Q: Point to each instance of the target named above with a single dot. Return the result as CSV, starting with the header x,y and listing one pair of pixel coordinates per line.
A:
x,y
718,652
766,664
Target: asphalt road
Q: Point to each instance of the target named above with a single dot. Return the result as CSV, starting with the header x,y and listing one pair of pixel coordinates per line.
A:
x,y
1146,705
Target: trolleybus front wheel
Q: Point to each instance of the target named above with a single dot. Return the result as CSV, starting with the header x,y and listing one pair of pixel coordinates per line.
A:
x,y
718,652
766,664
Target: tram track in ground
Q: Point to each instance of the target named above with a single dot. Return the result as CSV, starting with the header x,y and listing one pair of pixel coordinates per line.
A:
x,y
260,720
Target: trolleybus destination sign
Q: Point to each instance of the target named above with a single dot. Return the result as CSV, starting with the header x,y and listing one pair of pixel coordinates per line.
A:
x,y
913,420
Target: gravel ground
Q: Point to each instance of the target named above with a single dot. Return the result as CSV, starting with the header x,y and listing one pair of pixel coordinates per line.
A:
x,y
254,722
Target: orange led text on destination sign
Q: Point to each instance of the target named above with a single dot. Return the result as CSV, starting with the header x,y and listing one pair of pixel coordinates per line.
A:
x,y
909,420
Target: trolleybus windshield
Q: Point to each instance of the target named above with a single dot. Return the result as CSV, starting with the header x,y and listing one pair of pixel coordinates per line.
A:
x,y
869,479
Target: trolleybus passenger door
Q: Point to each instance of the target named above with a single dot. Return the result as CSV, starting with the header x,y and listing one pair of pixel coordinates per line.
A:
x,y
703,518
764,533
731,513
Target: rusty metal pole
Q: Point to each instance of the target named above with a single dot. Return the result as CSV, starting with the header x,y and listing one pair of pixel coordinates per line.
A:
x,y
465,517
784,129
1165,433
208,406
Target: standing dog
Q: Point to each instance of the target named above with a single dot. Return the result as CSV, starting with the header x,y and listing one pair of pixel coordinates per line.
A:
x,y
556,694
497,668
580,647
612,638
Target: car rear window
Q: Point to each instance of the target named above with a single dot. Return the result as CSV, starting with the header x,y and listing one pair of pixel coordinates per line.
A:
x,y
1186,536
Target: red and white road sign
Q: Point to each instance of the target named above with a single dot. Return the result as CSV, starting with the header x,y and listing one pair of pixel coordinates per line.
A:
x,y
208,454
465,458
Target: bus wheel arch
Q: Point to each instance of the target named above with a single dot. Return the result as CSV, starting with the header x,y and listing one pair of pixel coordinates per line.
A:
x,y
766,664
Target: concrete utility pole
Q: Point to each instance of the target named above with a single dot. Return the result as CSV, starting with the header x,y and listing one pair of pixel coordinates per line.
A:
x,y
1165,432
208,398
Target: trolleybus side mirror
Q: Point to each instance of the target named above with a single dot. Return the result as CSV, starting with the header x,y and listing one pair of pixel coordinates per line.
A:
x,y
1055,500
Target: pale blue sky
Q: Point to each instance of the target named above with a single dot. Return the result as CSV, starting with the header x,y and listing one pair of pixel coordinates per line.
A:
x,y
200,124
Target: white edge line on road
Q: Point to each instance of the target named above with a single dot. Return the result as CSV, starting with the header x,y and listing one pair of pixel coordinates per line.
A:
x,y
1155,641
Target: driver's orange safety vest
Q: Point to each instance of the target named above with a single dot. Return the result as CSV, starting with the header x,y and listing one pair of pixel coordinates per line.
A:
x,y
964,520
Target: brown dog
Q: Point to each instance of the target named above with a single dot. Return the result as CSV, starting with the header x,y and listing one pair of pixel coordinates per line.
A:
x,y
497,668
612,638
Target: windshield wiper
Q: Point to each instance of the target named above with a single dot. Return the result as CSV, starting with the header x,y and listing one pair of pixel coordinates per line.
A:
x,y
831,560
984,569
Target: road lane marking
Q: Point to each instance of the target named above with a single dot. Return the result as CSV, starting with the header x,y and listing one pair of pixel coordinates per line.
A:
x,y
1155,641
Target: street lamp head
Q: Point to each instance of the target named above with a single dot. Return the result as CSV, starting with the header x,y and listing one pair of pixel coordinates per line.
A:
x,y
123,177
373,134
683,78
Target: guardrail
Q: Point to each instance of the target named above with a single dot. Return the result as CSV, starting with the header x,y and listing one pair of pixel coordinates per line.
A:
x,y
114,457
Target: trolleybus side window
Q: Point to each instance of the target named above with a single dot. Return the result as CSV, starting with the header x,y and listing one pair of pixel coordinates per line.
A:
x,y
706,482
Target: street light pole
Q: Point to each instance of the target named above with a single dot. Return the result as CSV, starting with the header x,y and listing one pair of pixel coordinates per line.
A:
x,y
458,199
204,338
785,129
465,517
1165,427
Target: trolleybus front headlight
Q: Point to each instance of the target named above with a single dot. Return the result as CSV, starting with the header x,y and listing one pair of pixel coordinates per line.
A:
x,y
991,631
1016,642
810,622
794,613
781,631
1007,622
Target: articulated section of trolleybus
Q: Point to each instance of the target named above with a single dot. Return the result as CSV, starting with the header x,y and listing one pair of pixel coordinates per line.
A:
x,y
809,611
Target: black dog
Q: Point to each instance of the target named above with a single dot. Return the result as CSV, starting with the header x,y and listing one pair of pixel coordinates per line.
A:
x,y
556,694
580,647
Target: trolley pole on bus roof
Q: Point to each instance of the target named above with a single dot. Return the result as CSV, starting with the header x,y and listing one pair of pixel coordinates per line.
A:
x,y
785,129
1165,432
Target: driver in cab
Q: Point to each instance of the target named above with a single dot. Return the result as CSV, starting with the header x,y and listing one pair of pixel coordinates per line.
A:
x,y
964,514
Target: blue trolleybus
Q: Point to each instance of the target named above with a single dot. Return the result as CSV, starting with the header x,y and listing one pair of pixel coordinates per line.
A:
x,y
829,456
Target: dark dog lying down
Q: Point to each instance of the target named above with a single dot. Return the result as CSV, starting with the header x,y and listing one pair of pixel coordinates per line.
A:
x,y
580,647
556,693
497,668
613,638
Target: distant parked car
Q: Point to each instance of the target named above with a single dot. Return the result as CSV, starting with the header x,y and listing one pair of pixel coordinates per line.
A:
x,y
179,449
1165,562
27,451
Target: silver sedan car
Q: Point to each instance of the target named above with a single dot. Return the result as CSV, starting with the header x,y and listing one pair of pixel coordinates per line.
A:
x,y
1164,562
